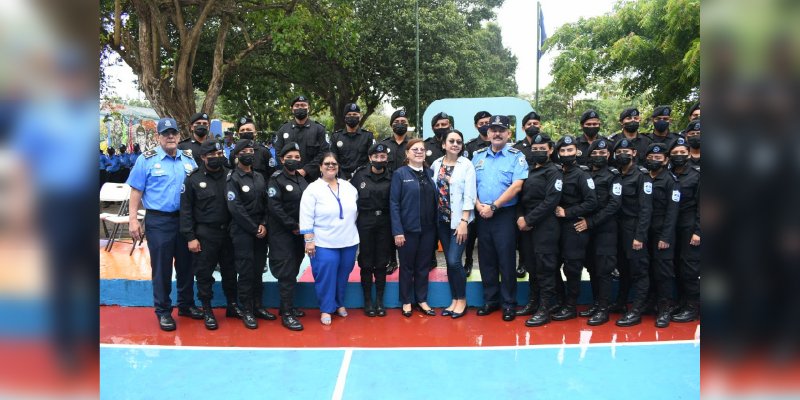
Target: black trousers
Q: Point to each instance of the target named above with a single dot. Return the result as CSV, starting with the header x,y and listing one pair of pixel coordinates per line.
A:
x,y
415,260
287,251
687,266
217,248
633,267
601,259
250,255
375,250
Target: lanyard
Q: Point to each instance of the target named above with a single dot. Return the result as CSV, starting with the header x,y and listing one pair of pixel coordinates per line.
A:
x,y
336,195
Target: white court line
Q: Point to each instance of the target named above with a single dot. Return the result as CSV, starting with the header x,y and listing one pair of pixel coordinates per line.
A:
x,y
338,391
464,348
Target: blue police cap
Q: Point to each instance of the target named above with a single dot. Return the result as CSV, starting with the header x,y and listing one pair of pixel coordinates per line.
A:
x,y
165,124
657,148
499,121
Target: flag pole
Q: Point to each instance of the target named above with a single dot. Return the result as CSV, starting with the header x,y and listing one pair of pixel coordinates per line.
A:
x,y
538,49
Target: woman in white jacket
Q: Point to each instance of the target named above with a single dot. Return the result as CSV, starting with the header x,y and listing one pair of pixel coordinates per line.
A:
x,y
454,176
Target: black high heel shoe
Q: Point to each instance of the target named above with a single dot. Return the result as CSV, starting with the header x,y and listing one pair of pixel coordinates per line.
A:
x,y
407,314
429,312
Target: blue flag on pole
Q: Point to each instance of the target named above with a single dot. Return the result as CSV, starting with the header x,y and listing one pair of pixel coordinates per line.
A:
x,y
542,33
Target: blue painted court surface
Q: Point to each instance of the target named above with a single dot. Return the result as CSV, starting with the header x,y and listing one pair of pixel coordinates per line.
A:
x,y
662,370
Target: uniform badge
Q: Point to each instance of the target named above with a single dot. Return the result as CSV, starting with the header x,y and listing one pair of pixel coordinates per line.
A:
x,y
648,187
559,184
602,144
289,188
245,188
183,188
567,140
656,149
158,165
272,162
590,183
285,135
202,185
634,113
231,195
272,192
428,153
187,165
522,161
465,153
616,189
388,150
676,196
579,153
339,144
363,185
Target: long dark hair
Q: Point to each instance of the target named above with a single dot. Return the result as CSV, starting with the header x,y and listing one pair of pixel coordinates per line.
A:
x,y
410,144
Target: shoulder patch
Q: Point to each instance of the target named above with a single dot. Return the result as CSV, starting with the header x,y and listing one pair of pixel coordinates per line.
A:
x,y
187,152
616,189
231,195
676,196
513,150
590,183
149,153
648,187
272,192
559,184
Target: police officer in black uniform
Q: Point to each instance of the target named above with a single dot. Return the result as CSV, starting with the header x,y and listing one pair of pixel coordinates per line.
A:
x,y
263,163
481,141
590,125
539,228
308,134
634,223
693,140
578,200
199,123
287,248
247,203
687,243
694,115
374,227
351,145
666,200
601,257
662,116
629,119
441,125
531,124
204,220
396,151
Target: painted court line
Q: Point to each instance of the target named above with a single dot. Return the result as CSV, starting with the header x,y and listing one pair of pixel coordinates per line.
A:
x,y
338,391
490,348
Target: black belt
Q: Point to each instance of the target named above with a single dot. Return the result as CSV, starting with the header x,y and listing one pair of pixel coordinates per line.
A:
x,y
173,214
221,227
377,212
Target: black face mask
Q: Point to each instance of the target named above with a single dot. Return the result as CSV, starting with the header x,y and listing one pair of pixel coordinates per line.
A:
x,y
247,159
440,132
378,165
694,142
661,125
679,161
247,135
631,127
352,121
399,129
300,113
532,131
201,130
483,130
623,159
567,161
591,132
215,163
598,161
537,157
652,165
291,165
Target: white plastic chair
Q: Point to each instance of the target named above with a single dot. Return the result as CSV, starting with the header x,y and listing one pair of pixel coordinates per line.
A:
x,y
114,193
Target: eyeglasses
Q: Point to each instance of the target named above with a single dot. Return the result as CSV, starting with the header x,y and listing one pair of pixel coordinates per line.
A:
x,y
456,141
417,150
170,133
330,164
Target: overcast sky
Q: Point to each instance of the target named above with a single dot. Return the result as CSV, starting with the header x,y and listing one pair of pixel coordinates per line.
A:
x,y
517,19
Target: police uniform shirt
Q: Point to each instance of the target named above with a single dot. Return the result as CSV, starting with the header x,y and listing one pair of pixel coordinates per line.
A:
x,y
668,140
583,144
640,144
433,150
159,177
203,200
284,192
495,172
396,152
524,146
247,199
351,149
193,146
637,200
124,161
228,149
373,191
114,163
311,138
666,200
541,193
104,162
689,182
578,197
608,188
263,162
476,144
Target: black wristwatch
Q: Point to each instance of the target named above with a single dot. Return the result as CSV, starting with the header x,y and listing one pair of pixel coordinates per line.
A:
x,y
492,206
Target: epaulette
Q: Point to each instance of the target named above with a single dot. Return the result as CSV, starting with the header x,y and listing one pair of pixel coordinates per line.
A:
x,y
644,170
472,140
513,150
149,153
482,150
366,131
187,152
696,168
276,173
193,171
675,178
228,177
359,169
614,170
338,131
583,167
522,142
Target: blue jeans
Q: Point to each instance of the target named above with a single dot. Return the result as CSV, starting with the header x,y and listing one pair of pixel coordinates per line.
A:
x,y
456,276
331,268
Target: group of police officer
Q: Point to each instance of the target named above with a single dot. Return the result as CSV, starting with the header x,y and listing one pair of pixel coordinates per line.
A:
x,y
628,203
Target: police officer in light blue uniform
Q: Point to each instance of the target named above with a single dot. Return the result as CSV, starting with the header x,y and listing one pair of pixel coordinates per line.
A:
x,y
157,181
500,171
228,144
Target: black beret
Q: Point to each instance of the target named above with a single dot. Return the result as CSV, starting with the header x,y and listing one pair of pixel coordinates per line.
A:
x,y
241,145
529,116
123,147
624,144
588,114
599,144
695,106
567,140
244,121
541,138
399,113
378,147
500,121
480,115
229,132
661,111
693,126
302,98
438,116
351,107
657,148
198,116
209,146
678,143
291,146
628,112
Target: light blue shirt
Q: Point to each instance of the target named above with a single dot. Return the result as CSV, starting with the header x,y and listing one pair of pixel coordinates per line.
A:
x,y
227,150
104,162
160,178
114,163
462,189
495,172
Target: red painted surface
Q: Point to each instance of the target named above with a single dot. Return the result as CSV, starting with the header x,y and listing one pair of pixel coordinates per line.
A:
x,y
138,325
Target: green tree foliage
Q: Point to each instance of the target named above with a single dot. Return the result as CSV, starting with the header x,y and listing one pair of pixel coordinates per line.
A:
x,y
652,47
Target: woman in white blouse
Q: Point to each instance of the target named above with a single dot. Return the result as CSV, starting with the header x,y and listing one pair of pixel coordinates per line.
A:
x,y
328,213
